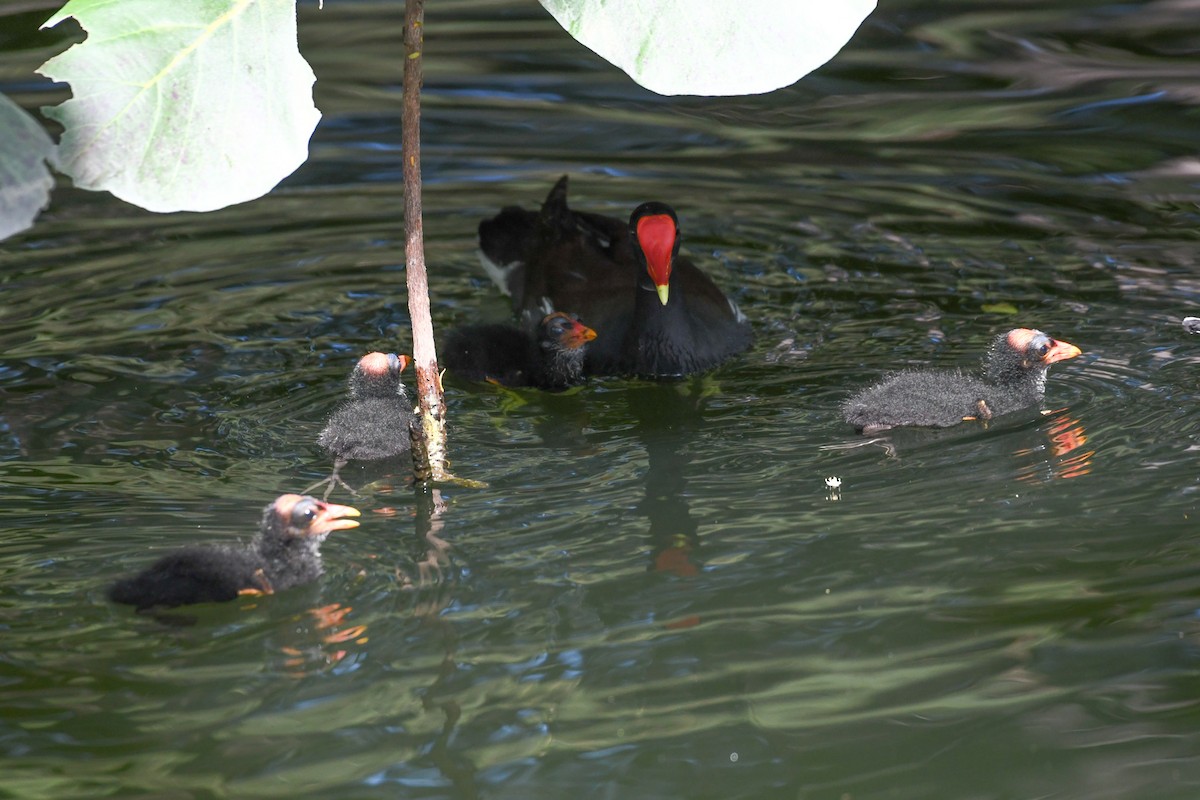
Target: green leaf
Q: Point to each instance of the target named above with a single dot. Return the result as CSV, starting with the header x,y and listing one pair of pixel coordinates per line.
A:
x,y
713,47
183,105
25,180
999,308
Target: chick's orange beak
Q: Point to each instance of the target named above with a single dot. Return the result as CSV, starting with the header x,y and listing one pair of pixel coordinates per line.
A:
x,y
332,517
1060,351
578,336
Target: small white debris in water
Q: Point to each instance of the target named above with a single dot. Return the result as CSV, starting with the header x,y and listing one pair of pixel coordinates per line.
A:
x,y
834,484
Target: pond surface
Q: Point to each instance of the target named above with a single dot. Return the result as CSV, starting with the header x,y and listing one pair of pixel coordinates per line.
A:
x,y
657,595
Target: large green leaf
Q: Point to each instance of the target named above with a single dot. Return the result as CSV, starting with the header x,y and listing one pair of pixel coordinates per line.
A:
x,y
713,47
25,181
183,104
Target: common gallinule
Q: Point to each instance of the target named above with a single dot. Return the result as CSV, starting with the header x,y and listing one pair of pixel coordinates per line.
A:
x,y
373,422
550,359
286,552
656,315
1013,377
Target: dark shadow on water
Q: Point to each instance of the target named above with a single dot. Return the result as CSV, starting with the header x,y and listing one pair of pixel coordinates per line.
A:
x,y
668,418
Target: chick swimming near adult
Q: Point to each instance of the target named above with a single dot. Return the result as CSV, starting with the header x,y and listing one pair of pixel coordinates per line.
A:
x,y
1012,377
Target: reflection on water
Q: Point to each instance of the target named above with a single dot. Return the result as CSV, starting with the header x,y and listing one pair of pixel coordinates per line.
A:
x,y
1064,438
660,593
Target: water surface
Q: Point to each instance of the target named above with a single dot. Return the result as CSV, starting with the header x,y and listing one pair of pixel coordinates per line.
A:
x,y
657,595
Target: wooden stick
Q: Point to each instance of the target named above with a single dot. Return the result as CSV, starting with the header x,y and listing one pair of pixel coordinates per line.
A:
x,y
432,404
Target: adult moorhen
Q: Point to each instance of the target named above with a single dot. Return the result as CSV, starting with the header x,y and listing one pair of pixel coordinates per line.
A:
x,y
550,359
656,315
1013,377
285,553
373,423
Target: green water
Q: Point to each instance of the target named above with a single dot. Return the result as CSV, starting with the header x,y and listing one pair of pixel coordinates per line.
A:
x,y
657,596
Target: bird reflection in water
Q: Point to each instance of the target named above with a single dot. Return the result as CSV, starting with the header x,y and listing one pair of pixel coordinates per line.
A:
x,y
1065,440
327,634
326,627
668,417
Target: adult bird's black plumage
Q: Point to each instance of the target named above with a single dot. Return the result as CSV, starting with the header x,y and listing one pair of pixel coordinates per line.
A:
x,y
373,422
550,358
656,315
1013,377
286,552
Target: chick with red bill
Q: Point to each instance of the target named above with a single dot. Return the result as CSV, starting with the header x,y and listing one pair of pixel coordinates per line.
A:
x,y
373,422
549,358
1012,377
285,552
